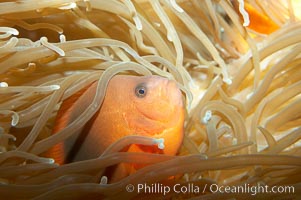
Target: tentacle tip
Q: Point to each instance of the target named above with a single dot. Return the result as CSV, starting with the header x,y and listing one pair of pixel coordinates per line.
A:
x,y
160,143
207,117
50,160
55,87
228,81
3,84
104,180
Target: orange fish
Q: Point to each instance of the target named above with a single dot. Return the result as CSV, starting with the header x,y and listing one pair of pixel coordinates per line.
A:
x,y
133,105
259,22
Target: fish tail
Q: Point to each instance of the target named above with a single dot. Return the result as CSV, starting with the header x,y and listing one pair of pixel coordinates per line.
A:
x,y
63,118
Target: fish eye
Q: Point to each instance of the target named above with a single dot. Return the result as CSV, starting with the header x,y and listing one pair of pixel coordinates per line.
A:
x,y
141,91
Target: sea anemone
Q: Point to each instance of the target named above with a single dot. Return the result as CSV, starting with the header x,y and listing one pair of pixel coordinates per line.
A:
x,y
241,87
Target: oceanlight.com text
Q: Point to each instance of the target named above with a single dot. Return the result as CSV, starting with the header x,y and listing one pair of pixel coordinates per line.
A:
x,y
159,188
251,189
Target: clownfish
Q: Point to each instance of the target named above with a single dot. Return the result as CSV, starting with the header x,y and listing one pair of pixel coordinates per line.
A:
x,y
133,105
259,22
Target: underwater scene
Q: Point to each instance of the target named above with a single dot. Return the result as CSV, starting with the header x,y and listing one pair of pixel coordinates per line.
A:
x,y
150,99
